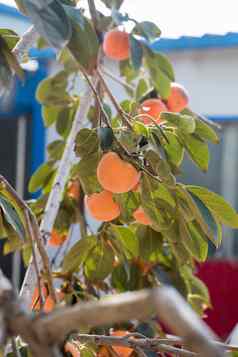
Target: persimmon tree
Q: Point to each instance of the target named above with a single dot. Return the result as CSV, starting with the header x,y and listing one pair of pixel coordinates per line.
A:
x,y
114,171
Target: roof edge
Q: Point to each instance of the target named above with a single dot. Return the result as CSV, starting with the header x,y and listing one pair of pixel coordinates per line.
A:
x,y
206,41
12,11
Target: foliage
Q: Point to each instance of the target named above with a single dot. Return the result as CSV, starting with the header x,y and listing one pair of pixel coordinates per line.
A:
x,y
121,255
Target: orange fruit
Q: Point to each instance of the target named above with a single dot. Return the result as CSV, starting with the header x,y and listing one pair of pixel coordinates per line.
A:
x,y
57,238
103,352
73,190
136,188
102,206
116,175
178,99
141,217
35,301
71,348
121,350
152,107
116,45
49,302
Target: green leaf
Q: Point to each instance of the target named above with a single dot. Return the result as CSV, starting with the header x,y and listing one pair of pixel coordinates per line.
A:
x,y
106,137
160,167
64,121
161,72
217,205
99,263
84,42
195,285
128,203
174,150
10,37
50,21
86,142
150,245
128,71
128,240
2,228
157,208
87,171
197,150
136,52
210,220
203,130
199,215
40,176
193,239
148,30
52,91
49,114
141,89
9,61
14,241
186,123
56,149
140,128
12,218
119,278
78,254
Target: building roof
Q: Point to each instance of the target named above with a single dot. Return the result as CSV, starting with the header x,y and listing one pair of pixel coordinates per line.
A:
x,y
230,39
12,11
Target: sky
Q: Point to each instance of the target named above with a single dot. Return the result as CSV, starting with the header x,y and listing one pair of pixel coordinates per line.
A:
x,y
183,17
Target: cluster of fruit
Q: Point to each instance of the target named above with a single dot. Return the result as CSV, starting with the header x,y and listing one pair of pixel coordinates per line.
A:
x,y
115,176
116,45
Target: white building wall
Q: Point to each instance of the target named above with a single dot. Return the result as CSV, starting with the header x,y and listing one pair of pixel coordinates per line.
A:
x,y
16,24
211,77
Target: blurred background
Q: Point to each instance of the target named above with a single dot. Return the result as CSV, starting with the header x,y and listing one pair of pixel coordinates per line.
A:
x,y
203,49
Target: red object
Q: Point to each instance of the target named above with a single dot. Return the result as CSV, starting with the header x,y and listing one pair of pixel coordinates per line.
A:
x,y
221,278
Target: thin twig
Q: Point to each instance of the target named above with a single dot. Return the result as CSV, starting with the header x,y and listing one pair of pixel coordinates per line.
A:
x,y
94,16
32,242
44,258
116,79
134,343
122,114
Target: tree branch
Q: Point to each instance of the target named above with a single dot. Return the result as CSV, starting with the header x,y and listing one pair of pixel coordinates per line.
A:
x,y
34,234
43,333
113,100
56,193
152,344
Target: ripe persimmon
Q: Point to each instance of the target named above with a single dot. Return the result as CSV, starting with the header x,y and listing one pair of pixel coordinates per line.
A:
x,y
57,238
35,301
141,217
49,304
72,349
73,190
102,207
152,107
121,350
116,175
116,45
103,352
178,99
